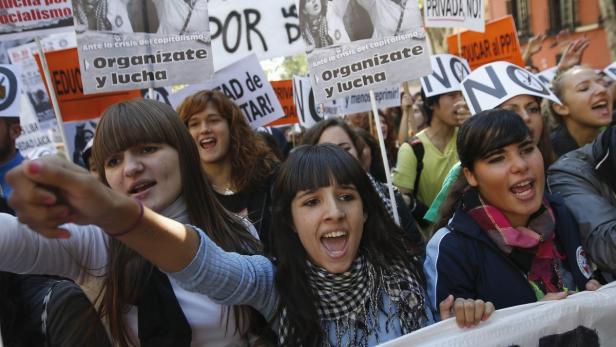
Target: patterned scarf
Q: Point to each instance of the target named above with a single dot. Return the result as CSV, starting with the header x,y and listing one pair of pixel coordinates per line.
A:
x,y
537,239
353,301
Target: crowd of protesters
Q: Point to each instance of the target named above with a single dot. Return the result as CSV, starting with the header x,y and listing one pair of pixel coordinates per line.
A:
x,y
189,228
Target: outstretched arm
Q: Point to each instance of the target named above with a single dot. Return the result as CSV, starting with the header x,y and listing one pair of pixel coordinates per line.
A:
x,y
51,191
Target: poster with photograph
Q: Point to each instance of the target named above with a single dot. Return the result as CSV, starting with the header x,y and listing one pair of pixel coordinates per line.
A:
x,y
78,134
137,44
28,18
361,45
268,29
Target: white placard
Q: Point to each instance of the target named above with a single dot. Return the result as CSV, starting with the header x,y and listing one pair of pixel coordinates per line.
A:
x,y
128,46
387,97
308,111
547,75
448,71
10,90
28,18
267,28
610,70
345,59
247,85
455,14
587,318
492,84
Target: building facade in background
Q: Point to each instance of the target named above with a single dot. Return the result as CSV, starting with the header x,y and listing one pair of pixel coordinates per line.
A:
x,y
581,17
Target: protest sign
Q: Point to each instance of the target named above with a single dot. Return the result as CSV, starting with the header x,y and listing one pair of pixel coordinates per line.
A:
x,y
10,91
354,103
284,92
308,111
493,84
159,94
345,58
135,46
34,17
66,79
246,84
583,319
447,73
78,134
610,71
455,14
267,28
33,142
33,86
498,43
546,76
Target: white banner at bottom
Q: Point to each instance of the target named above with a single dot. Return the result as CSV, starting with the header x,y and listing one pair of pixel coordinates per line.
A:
x,y
586,318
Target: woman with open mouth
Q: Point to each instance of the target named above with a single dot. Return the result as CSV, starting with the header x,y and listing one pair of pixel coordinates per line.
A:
x,y
502,238
339,280
147,163
586,108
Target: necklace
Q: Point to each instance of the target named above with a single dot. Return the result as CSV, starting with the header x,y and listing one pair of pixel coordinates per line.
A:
x,y
224,191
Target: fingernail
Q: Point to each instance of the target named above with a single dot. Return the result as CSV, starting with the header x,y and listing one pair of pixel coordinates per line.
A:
x,y
34,167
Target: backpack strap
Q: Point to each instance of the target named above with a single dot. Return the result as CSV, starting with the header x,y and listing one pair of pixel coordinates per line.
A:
x,y
419,151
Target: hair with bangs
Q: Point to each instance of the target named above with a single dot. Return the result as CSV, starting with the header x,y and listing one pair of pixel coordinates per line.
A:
x,y
311,167
252,161
131,123
478,137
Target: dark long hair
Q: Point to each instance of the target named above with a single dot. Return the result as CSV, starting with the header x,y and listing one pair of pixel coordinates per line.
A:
x,y
312,135
383,242
479,136
135,122
252,161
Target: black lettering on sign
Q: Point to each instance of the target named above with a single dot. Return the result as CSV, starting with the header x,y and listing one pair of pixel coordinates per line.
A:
x,y
496,90
526,80
292,28
314,112
298,97
231,28
67,81
474,8
442,78
459,69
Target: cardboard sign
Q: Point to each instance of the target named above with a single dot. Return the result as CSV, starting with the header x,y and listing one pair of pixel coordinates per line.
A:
x,y
344,58
66,79
387,97
246,84
447,73
610,71
268,29
454,14
546,76
308,111
586,318
498,43
493,84
142,46
284,92
10,91
29,18
159,94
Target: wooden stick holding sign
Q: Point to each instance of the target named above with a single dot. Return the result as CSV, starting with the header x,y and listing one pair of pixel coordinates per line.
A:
x,y
390,186
52,95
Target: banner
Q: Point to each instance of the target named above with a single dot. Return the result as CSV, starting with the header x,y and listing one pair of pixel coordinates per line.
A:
x,y
134,45
498,43
583,319
267,28
374,44
33,86
546,76
308,111
454,14
284,92
66,79
610,71
246,84
10,91
493,84
23,18
447,73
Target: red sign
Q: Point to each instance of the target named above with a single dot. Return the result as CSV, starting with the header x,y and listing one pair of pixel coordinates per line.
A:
x,y
284,91
66,80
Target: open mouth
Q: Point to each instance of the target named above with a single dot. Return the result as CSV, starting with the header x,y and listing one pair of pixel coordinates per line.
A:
x,y
207,143
602,107
335,243
524,190
141,187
